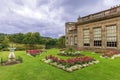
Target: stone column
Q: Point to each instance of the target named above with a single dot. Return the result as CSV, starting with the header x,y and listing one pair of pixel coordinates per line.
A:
x,y
91,38
118,35
80,37
103,35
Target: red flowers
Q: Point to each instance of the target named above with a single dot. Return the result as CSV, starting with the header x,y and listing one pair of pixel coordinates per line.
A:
x,y
110,53
71,61
32,52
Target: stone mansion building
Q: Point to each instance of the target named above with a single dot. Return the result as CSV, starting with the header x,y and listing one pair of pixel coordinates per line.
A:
x,y
100,30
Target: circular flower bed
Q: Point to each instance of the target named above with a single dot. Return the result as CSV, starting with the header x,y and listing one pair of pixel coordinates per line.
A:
x,y
70,64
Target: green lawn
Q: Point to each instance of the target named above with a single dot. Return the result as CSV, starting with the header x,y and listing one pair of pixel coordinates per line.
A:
x,y
33,68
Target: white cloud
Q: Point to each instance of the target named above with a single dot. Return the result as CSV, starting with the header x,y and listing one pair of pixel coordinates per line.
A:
x,y
111,3
42,12
46,16
31,14
28,13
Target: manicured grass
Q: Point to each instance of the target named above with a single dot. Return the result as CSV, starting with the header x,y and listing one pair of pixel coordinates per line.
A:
x,y
33,68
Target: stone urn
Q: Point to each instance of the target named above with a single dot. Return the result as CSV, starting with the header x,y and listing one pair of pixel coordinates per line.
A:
x,y
11,56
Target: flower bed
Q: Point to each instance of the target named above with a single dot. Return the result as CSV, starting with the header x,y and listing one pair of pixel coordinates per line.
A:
x,y
70,52
33,52
70,64
111,54
4,62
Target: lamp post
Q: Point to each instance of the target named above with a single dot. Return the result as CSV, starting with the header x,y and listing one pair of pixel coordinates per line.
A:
x,y
11,56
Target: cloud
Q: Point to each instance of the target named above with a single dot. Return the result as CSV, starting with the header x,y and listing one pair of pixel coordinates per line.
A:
x,y
109,3
46,16
29,16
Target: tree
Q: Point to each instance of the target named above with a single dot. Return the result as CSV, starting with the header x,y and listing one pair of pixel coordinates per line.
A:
x,y
19,38
51,43
12,37
5,42
44,40
37,37
31,39
16,38
61,42
1,38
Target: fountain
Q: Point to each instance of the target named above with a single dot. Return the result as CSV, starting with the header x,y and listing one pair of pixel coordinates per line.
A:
x,y
11,56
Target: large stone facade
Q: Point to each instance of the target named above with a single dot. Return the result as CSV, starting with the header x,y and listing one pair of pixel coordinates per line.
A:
x,y
100,30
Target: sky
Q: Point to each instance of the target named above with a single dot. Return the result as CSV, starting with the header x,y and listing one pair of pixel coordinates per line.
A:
x,y
46,16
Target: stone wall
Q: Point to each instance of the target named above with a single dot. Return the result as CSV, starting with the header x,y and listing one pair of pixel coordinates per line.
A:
x,y
102,24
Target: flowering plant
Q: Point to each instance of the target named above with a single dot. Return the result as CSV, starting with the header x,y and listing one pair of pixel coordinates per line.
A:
x,y
70,62
110,53
32,52
70,52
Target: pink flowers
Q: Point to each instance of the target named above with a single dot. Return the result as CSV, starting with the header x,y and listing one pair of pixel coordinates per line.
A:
x,y
70,64
110,53
32,52
71,61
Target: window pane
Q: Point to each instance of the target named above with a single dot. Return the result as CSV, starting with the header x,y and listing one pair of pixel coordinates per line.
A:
x,y
111,36
86,37
97,37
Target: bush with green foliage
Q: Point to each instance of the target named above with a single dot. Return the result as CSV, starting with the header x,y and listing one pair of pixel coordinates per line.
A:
x,y
51,44
20,59
4,43
61,42
1,60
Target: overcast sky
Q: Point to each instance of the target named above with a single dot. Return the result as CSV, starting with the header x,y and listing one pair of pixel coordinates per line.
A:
x,y
46,16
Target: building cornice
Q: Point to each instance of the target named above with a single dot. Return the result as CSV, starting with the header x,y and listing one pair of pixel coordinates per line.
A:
x,y
103,15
